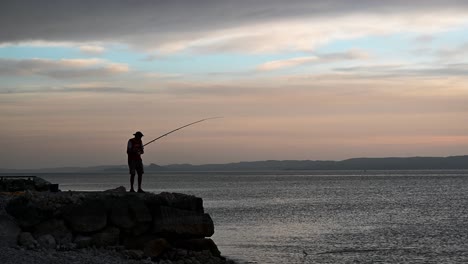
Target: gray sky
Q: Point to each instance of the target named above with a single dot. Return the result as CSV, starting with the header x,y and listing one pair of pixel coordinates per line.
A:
x,y
293,79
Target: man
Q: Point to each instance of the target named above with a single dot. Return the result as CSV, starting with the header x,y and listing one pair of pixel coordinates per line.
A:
x,y
134,151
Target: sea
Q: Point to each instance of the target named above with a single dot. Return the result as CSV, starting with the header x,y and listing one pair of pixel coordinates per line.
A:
x,y
272,217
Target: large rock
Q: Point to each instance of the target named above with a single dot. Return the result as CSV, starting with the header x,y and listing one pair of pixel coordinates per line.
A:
x,y
27,240
56,228
108,237
128,213
198,245
156,247
26,213
9,231
120,189
47,241
183,201
89,216
182,223
83,241
138,242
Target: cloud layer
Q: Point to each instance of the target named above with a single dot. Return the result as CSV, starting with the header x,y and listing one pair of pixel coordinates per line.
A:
x,y
215,26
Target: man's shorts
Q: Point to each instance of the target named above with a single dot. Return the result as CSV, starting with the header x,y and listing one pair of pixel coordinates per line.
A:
x,y
135,165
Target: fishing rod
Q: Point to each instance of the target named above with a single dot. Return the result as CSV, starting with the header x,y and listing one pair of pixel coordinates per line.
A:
x,y
180,128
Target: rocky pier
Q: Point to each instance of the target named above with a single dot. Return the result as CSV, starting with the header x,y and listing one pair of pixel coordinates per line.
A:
x,y
161,228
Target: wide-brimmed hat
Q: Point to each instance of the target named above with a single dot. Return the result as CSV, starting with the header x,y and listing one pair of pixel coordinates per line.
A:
x,y
138,133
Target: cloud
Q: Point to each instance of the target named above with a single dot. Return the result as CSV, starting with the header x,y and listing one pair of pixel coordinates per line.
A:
x,y
61,69
92,49
318,59
451,53
408,70
213,26
279,64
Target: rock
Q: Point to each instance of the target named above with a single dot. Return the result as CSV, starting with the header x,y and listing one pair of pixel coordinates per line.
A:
x,y
127,213
41,185
156,247
108,237
134,254
198,245
90,216
47,241
26,239
67,247
140,229
25,212
83,241
119,189
138,242
120,215
183,201
139,211
55,227
9,231
182,223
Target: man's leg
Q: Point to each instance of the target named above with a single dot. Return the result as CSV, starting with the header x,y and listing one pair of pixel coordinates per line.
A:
x,y
132,180
140,171
140,178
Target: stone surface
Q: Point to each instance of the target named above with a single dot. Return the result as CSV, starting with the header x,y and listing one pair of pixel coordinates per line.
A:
x,y
26,239
120,189
182,223
9,231
89,216
128,213
134,254
25,213
154,248
183,201
47,241
108,237
138,242
166,226
56,228
198,245
83,241
120,215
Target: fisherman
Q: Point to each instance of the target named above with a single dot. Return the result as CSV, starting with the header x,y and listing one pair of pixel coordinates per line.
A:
x,y
135,163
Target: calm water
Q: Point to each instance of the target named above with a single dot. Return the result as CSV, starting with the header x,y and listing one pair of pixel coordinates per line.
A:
x,y
322,217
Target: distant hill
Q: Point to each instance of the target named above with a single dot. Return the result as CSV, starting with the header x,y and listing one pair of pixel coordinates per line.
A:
x,y
411,163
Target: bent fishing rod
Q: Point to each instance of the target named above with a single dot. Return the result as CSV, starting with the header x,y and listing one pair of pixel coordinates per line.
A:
x,y
172,131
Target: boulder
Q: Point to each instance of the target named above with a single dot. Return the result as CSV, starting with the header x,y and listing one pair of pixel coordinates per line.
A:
x,y
156,247
120,189
138,242
127,213
25,212
41,184
89,216
47,241
133,254
26,239
120,215
9,231
83,241
108,237
198,245
183,201
182,223
56,228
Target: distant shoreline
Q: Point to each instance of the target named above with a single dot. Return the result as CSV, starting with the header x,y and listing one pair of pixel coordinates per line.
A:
x,y
390,163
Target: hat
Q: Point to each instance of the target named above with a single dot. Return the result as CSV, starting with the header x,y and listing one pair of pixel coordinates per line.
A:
x,y
138,133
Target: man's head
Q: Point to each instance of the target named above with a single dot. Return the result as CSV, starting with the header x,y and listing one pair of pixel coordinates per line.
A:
x,y
138,134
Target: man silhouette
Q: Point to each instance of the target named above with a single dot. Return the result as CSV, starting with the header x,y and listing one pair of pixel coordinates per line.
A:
x,y
135,163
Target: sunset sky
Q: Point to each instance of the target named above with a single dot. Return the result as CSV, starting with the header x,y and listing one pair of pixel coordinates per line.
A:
x,y
317,80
